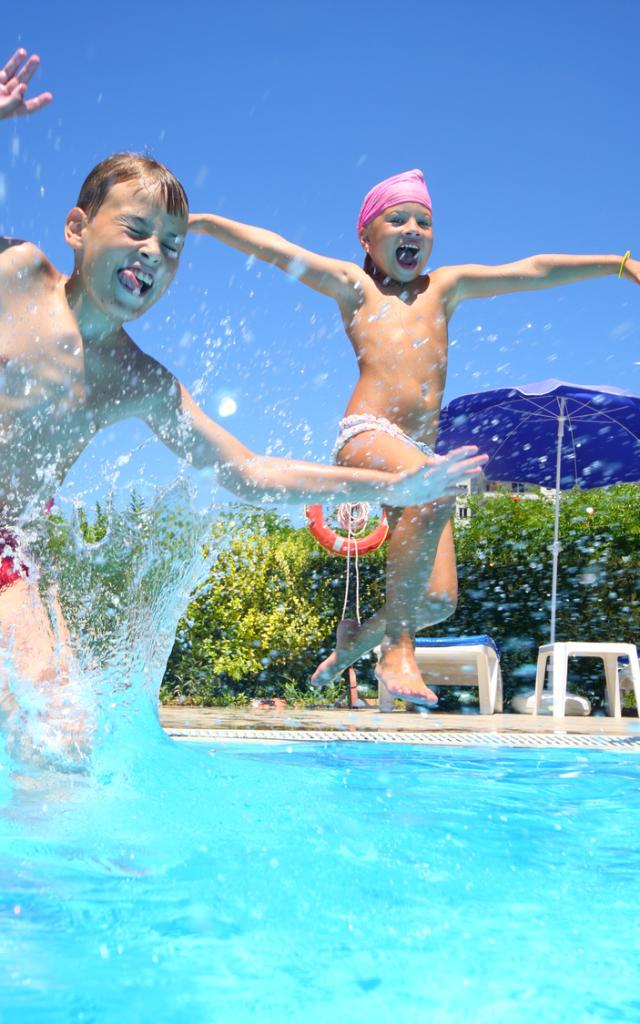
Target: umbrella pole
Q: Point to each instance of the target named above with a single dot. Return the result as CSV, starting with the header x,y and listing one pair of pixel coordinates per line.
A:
x,y
556,521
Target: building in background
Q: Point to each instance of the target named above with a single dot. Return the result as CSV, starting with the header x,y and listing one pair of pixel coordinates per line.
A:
x,y
480,485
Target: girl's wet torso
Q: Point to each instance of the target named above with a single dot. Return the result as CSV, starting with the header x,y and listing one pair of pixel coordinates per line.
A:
x,y
400,339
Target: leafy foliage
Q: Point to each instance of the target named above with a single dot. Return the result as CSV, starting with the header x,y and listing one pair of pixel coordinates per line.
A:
x,y
117,575
268,610
505,576
266,614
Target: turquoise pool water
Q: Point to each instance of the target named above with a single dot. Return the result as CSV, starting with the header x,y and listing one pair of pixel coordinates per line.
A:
x,y
342,882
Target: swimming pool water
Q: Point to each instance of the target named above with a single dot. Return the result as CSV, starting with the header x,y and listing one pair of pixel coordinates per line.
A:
x,y
325,883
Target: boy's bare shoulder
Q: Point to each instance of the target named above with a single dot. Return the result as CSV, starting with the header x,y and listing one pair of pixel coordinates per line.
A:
x,y
22,258
146,378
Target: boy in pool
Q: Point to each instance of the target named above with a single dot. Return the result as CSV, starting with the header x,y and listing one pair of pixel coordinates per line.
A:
x,y
396,318
69,369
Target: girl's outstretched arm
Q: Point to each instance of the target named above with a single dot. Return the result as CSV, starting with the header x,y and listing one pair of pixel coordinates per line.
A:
x,y
336,278
475,281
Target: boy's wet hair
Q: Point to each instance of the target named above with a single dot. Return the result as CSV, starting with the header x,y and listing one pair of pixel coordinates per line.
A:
x,y
121,167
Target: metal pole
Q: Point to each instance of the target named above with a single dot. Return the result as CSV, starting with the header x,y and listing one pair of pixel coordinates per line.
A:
x,y
556,520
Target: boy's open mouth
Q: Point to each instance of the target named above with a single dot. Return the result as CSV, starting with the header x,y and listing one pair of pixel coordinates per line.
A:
x,y
407,255
135,280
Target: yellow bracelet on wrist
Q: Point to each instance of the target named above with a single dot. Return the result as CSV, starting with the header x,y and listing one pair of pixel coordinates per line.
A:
x,y
626,256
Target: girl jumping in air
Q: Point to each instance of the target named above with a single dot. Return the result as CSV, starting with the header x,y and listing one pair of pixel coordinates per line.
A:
x,y
396,318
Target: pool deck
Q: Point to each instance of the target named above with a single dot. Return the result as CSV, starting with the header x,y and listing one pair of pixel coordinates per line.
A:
x,y
335,724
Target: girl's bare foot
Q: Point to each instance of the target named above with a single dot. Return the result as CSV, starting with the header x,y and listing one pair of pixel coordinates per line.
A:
x,y
399,678
332,666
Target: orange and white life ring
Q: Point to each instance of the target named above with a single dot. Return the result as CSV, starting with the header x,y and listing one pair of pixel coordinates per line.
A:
x,y
339,545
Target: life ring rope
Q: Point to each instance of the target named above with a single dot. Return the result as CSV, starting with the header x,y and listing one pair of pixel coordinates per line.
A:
x,y
335,543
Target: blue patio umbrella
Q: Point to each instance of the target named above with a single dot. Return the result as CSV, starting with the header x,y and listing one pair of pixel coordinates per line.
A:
x,y
552,433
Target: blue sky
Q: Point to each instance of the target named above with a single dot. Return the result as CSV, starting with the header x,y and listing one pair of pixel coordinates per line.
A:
x,y
522,116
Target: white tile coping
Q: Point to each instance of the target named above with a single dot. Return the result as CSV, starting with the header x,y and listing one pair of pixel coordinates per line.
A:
x,y
626,744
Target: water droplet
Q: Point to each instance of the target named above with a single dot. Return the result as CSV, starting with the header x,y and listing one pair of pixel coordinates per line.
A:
x,y
227,406
296,268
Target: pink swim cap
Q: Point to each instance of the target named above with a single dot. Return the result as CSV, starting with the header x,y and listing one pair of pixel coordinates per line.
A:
x,y
408,187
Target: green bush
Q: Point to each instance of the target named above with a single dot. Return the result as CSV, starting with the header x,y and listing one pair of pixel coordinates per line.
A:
x,y
504,555
268,612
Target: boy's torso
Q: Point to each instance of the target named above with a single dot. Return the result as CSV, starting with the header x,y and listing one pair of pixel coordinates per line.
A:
x,y
54,393
400,340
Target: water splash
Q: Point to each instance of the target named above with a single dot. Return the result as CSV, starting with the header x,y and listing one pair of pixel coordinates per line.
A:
x,y
113,592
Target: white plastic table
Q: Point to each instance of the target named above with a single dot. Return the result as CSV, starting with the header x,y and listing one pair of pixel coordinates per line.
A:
x,y
609,653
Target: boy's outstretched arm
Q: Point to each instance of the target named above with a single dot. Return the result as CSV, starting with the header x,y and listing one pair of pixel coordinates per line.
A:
x,y
475,281
336,278
175,418
14,82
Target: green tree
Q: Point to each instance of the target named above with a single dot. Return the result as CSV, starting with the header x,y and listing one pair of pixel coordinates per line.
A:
x,y
118,573
266,614
504,553
269,609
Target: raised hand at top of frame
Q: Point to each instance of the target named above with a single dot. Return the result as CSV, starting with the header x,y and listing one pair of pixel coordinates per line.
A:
x,y
14,82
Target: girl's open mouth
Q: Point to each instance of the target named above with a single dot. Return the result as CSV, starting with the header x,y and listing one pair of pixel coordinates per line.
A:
x,y
407,256
135,280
